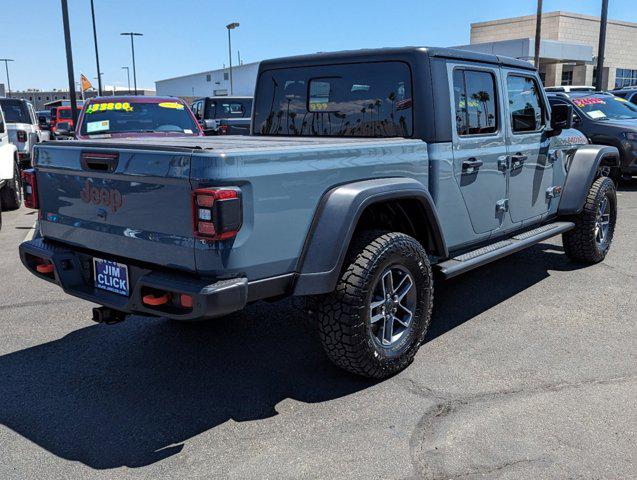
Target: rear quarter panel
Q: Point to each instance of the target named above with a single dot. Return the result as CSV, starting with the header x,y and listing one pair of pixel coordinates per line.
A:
x,y
281,189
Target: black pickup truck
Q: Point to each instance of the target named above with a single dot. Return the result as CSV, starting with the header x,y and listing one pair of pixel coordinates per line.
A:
x,y
223,115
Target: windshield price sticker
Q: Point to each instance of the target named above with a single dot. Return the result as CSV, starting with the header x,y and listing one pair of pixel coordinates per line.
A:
x,y
586,101
620,99
98,126
174,105
595,114
103,107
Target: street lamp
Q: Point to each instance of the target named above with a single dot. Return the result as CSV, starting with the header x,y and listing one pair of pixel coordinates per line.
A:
x,y
6,66
132,46
128,77
231,26
97,57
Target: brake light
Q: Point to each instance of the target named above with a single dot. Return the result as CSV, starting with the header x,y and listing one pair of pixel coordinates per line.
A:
x,y
22,136
223,130
29,189
217,213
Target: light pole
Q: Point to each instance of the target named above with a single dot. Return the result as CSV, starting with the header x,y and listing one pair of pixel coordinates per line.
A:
x,y
132,46
538,35
602,47
231,26
6,67
69,60
97,57
128,77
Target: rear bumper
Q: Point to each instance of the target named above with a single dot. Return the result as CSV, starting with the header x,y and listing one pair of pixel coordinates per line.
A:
x,y
73,273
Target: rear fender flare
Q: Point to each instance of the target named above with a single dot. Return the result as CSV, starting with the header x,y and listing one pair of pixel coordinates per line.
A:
x,y
581,175
336,219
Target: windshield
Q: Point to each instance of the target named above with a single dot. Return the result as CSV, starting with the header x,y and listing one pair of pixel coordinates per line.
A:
x,y
606,107
15,111
120,117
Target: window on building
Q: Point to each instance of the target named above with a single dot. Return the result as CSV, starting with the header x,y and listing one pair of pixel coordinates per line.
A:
x,y
625,78
208,78
475,101
226,76
525,105
567,77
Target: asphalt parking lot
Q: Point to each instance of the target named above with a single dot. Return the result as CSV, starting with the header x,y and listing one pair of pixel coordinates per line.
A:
x,y
529,371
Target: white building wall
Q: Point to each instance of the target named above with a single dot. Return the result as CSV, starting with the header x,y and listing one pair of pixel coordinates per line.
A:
x,y
211,83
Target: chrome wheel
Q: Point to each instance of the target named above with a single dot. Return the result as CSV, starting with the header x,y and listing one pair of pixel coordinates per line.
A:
x,y
392,306
602,223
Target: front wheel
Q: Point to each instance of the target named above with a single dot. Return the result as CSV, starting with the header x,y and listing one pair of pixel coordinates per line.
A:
x,y
377,317
11,193
590,240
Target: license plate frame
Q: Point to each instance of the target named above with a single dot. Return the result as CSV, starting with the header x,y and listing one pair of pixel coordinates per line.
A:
x,y
111,276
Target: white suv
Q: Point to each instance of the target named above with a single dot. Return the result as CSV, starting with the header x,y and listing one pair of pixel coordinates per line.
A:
x,y
10,187
22,125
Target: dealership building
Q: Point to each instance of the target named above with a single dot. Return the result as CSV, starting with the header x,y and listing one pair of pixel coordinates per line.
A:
x,y
568,52
211,83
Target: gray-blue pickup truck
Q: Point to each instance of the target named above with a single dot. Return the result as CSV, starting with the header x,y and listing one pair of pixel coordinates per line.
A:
x,y
367,174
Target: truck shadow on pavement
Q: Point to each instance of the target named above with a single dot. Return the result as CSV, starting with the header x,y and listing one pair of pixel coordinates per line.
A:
x,y
132,393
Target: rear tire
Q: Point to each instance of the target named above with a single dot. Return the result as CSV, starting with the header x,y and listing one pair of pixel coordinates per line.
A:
x,y
377,317
590,240
11,193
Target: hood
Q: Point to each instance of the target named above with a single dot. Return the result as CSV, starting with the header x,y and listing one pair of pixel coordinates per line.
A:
x,y
623,124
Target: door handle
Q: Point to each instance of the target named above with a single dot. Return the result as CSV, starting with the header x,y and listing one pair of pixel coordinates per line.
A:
x,y
517,160
471,164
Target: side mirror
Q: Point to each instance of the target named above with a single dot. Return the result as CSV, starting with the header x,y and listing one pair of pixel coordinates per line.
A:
x,y
561,117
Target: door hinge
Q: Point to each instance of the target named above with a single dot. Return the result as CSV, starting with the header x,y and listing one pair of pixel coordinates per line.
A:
x,y
502,206
503,164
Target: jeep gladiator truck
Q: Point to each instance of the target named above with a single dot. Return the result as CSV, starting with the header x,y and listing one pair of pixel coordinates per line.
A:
x,y
365,173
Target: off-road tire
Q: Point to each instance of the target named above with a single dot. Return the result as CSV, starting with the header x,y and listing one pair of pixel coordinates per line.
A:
x,y
343,316
11,193
580,243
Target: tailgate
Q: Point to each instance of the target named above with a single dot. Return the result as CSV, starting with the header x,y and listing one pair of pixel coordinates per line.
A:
x,y
126,202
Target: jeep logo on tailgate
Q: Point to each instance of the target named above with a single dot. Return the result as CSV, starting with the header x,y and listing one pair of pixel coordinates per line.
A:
x,y
111,198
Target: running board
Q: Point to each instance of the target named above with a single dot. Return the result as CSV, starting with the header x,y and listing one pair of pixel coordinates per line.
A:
x,y
476,258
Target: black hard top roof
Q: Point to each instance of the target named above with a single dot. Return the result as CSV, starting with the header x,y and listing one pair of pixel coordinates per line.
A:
x,y
379,54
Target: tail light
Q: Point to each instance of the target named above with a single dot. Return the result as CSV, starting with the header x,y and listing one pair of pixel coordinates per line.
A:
x,y
22,136
29,189
217,213
223,130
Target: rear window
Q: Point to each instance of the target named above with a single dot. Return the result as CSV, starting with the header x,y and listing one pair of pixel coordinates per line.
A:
x,y
64,113
120,117
229,109
355,100
15,111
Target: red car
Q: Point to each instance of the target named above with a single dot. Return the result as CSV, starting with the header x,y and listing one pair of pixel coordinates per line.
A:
x,y
131,116
61,114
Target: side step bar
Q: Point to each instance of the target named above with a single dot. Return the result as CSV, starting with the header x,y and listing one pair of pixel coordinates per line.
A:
x,y
476,258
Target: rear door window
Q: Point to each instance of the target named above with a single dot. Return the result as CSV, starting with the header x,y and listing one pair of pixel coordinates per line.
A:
x,y
15,111
475,102
354,100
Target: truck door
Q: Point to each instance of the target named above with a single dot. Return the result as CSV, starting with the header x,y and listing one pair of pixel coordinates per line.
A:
x,y
530,170
479,144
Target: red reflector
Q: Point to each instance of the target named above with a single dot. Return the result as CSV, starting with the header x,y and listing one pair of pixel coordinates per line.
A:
x,y
155,301
206,228
223,130
45,268
185,300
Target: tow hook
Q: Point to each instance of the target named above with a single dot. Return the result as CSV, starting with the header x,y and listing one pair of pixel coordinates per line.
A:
x,y
107,315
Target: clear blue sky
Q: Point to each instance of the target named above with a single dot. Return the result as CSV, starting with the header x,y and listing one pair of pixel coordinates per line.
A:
x,y
188,36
